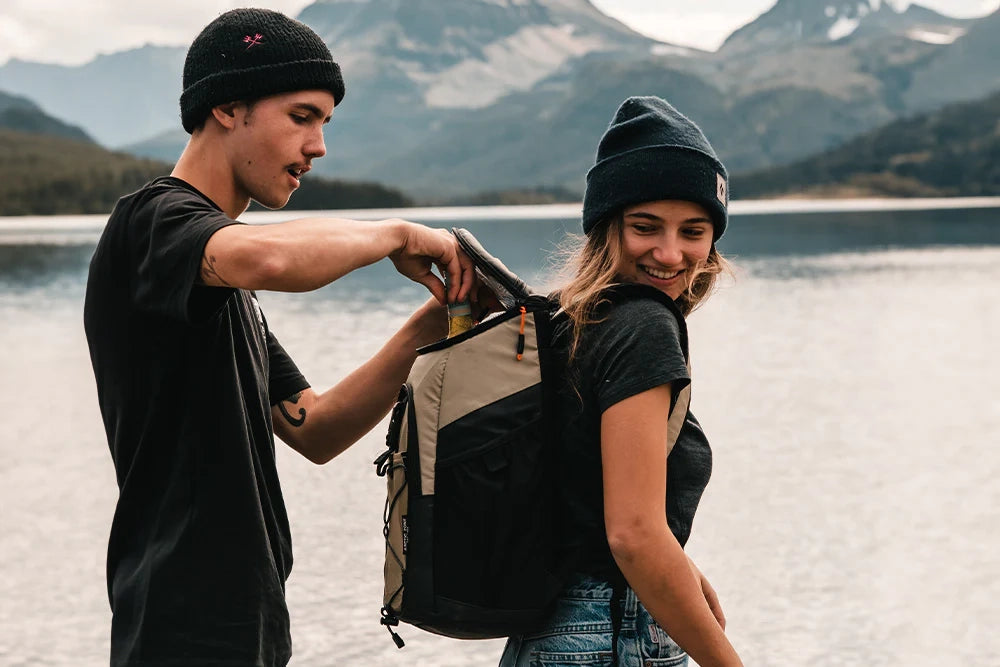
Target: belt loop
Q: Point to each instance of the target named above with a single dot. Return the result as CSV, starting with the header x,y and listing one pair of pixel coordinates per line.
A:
x,y
631,603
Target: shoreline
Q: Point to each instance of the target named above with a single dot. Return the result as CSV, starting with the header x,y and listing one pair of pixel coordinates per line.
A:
x,y
87,225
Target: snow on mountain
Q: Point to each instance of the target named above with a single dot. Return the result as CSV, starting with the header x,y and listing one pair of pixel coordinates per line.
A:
x,y
843,27
826,21
963,70
465,53
516,62
946,36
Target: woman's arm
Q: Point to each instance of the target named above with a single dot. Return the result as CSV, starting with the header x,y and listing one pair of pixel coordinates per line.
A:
x,y
634,454
321,426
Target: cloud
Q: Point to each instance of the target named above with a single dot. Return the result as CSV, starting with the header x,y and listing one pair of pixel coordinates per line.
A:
x,y
700,29
71,32
14,38
74,31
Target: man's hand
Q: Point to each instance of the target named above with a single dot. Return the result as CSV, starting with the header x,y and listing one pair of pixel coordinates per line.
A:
x,y
422,249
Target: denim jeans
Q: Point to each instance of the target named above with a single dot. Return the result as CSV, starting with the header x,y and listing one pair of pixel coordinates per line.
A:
x,y
578,633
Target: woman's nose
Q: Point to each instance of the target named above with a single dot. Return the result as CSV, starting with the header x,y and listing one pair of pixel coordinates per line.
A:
x,y
668,251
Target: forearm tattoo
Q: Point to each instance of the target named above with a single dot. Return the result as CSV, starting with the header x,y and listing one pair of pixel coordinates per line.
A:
x,y
208,270
296,422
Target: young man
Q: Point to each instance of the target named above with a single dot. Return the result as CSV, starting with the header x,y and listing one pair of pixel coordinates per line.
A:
x,y
192,383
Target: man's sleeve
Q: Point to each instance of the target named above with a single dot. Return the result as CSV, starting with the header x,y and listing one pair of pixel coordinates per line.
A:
x,y
285,379
167,240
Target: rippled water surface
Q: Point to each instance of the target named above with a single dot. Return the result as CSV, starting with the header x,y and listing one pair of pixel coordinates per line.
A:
x,y
848,380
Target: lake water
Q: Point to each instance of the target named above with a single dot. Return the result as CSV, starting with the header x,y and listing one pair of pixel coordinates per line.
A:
x,y
848,380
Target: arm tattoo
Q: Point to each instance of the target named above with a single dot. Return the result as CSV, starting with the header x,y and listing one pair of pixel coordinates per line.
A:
x,y
294,398
208,270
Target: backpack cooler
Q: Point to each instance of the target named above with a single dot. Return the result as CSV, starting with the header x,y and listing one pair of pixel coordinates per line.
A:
x,y
469,522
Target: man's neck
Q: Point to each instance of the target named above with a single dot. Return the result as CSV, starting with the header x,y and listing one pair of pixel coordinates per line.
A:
x,y
203,165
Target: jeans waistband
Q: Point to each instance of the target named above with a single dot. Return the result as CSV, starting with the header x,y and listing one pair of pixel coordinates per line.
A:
x,y
582,586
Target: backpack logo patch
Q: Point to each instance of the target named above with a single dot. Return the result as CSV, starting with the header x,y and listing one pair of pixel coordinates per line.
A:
x,y
406,534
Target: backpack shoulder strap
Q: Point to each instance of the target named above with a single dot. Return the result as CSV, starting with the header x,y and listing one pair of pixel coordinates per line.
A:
x,y
678,414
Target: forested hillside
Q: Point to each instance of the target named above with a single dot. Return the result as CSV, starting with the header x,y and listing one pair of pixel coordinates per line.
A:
x,y
953,151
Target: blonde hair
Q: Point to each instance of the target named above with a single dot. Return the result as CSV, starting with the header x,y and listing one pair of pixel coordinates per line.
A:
x,y
593,263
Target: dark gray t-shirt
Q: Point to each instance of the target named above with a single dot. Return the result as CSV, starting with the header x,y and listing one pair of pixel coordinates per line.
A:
x,y
200,545
636,346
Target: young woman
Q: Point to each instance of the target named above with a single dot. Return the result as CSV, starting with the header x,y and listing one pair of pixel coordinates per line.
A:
x,y
656,202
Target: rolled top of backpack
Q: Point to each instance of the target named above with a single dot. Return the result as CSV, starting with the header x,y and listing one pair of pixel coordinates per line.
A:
x,y
509,289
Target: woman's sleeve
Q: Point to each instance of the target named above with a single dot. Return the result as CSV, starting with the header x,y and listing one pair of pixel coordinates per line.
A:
x,y
635,348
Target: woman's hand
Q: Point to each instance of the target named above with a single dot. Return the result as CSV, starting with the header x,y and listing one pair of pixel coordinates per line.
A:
x,y
710,595
429,322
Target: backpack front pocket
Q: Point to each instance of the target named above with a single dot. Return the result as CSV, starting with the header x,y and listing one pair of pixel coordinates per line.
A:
x,y
492,518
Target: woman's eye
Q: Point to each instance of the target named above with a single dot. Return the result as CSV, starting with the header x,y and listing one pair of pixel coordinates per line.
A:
x,y
301,120
694,232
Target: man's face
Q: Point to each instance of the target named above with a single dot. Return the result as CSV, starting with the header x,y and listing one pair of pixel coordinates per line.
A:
x,y
274,142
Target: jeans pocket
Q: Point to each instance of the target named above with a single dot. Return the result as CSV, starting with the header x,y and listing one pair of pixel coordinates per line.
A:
x,y
655,644
577,659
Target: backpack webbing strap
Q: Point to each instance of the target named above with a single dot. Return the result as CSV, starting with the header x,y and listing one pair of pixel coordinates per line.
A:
x,y
390,505
617,612
389,619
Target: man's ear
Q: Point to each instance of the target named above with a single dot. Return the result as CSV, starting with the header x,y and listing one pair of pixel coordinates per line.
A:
x,y
225,114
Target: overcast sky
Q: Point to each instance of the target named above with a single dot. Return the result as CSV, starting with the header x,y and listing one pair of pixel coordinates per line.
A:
x,y
74,31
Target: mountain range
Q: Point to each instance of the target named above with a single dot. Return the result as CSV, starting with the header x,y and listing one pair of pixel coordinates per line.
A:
x,y
448,97
944,153
23,115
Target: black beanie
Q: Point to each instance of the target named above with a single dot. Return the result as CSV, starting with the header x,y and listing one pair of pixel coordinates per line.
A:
x,y
246,54
652,152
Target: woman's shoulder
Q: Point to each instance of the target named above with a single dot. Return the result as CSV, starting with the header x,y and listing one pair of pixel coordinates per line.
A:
x,y
626,317
638,306
629,319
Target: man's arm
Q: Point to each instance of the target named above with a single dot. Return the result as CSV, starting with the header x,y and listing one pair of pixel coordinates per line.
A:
x,y
321,426
303,255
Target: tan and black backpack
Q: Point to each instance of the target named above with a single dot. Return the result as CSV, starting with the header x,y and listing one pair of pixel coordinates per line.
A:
x,y
470,463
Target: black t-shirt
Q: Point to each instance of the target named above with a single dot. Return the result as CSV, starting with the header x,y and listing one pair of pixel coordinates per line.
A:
x,y
200,546
634,348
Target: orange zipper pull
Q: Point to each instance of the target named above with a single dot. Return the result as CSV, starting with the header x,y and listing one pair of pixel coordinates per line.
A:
x,y
520,337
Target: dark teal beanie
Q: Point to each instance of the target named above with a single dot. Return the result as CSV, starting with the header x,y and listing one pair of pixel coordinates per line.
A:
x,y
246,54
650,152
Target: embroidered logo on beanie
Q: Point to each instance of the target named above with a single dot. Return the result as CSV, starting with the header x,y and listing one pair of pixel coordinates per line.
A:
x,y
253,41
720,190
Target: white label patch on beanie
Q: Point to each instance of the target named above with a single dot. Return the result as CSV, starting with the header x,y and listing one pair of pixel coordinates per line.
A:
x,y
720,189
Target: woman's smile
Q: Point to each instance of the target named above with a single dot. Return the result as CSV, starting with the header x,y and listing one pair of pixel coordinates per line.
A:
x,y
660,274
